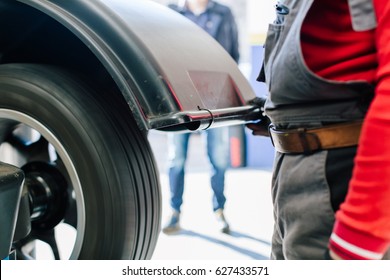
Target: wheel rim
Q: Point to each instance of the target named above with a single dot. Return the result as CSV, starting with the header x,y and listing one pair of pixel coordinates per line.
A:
x,y
14,120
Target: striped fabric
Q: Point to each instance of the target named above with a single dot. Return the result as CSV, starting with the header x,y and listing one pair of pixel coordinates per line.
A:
x,y
344,240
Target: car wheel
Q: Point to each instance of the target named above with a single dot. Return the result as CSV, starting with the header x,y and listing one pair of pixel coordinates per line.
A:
x,y
91,177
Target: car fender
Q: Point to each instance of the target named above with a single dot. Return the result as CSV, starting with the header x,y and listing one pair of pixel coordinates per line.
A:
x,y
172,74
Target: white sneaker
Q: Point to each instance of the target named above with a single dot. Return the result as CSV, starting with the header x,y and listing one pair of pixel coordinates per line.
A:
x,y
223,225
173,224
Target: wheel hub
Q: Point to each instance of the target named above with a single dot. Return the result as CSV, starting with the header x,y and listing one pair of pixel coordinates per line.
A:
x,y
48,194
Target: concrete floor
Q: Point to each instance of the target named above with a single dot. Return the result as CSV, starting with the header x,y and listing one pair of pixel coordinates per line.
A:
x,y
248,210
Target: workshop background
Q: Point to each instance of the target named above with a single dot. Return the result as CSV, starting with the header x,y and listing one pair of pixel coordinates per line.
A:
x,y
247,185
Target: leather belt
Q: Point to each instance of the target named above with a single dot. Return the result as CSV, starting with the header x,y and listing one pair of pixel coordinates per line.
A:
x,y
308,141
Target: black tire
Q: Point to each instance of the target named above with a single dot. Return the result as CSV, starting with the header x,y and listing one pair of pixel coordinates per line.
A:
x,y
112,182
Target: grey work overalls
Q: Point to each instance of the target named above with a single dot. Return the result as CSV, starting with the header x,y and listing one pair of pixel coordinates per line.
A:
x,y
307,189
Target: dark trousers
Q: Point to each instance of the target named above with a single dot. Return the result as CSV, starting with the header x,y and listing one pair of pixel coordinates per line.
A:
x,y
306,192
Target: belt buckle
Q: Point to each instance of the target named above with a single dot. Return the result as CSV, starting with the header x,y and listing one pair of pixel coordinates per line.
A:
x,y
270,127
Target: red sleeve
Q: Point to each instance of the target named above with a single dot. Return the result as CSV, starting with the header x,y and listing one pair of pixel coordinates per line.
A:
x,y
362,229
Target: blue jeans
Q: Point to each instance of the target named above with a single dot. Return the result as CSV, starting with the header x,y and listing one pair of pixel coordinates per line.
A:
x,y
219,157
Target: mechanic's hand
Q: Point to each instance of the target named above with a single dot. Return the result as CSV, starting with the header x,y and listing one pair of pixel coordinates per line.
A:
x,y
260,128
330,255
334,256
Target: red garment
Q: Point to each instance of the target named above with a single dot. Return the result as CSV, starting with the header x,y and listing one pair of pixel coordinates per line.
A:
x,y
333,50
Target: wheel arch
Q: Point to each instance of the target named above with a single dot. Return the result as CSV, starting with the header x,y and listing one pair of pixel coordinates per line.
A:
x,y
73,36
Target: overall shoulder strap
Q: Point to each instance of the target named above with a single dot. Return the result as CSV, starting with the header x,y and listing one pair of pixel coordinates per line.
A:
x,y
363,14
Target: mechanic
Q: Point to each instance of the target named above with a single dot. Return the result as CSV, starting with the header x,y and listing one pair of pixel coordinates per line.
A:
x,y
327,66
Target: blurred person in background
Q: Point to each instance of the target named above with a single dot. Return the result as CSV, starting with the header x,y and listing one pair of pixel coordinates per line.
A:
x,y
218,21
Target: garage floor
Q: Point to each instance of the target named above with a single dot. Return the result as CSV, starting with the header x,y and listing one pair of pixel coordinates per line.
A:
x,y
248,211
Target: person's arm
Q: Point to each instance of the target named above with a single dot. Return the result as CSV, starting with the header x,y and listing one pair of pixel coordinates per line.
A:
x,y
362,228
